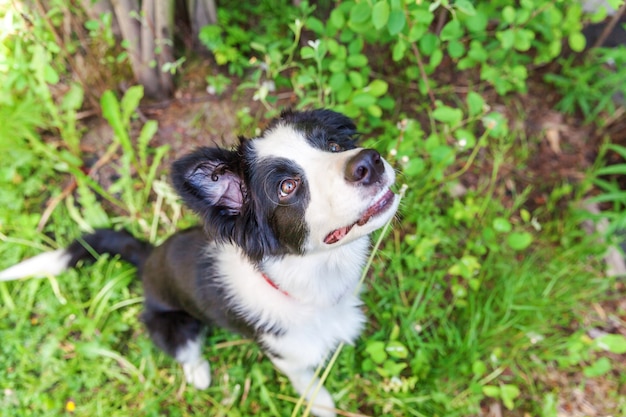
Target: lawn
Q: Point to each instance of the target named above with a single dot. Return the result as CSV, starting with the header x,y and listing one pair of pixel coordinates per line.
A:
x,y
487,295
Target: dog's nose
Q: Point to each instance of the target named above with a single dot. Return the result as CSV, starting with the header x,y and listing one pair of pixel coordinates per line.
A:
x,y
365,168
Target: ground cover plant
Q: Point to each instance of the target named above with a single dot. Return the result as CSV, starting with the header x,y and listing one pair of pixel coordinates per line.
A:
x,y
485,297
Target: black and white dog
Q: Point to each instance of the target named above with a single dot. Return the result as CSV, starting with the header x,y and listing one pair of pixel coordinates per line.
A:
x,y
287,218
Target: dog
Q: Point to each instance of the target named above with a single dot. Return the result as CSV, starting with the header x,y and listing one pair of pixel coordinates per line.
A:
x,y
286,219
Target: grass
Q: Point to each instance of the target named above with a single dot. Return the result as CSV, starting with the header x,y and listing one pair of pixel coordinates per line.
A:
x,y
472,300
76,341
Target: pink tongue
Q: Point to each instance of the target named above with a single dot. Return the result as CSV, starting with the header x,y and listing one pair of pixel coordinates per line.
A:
x,y
336,235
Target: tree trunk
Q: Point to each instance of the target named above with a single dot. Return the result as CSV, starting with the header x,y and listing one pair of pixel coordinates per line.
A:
x,y
127,12
164,24
201,13
96,8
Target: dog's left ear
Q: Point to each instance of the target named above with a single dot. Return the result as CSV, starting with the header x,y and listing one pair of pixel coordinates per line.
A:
x,y
209,181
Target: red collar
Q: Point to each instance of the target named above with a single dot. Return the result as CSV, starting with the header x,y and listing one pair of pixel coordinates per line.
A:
x,y
273,284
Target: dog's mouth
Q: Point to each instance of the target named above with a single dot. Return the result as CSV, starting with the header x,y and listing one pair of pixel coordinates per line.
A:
x,y
378,207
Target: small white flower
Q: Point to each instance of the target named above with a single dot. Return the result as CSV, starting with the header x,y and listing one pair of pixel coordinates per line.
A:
x,y
314,44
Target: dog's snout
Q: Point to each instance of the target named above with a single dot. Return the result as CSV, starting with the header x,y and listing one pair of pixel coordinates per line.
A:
x,y
365,168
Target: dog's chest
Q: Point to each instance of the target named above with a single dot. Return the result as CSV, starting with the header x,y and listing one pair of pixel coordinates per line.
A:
x,y
317,332
306,309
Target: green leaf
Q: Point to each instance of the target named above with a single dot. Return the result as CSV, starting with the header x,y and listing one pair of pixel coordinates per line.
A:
x,y
523,39
478,22
148,131
375,110
111,110
422,16
356,79
621,150
398,50
496,123
315,25
614,343
130,101
491,391
307,52
577,41
363,99
337,18
456,49
442,154
337,81
428,43
396,350
50,75
508,14
508,393
519,240
360,12
479,368
380,14
357,61
502,225
391,368
396,22
452,30
618,169
416,32
376,351
506,38
598,368
73,99
475,103
415,167
465,138
377,88
337,66
448,115
465,6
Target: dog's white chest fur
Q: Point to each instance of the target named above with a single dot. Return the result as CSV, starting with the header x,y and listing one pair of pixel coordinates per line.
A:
x,y
315,307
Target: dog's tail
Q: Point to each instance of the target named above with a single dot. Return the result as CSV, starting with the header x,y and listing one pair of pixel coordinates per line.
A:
x,y
102,241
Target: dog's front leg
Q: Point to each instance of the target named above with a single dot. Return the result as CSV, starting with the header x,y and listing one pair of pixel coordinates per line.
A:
x,y
305,383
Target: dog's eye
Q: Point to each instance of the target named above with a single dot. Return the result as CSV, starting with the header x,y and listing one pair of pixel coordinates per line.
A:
x,y
334,147
287,187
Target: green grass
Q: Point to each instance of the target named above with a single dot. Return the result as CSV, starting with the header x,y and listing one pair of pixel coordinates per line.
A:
x,y
470,300
77,337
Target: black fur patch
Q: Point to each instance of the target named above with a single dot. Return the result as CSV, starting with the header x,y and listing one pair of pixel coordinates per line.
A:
x,y
111,242
321,127
282,219
171,330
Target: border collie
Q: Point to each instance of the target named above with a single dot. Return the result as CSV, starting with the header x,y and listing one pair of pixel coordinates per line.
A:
x,y
286,223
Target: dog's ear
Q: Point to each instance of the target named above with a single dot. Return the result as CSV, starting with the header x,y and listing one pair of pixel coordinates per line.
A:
x,y
210,182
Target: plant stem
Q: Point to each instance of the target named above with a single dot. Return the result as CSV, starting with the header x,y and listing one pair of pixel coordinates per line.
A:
x,y
423,74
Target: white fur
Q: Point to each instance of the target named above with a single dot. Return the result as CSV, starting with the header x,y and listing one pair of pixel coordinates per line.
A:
x,y
42,265
321,287
305,383
320,309
330,193
197,370
318,304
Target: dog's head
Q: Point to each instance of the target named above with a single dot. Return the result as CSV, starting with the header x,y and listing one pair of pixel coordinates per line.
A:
x,y
302,186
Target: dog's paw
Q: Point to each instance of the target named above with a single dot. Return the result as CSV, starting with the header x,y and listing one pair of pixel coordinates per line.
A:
x,y
198,374
323,404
